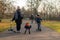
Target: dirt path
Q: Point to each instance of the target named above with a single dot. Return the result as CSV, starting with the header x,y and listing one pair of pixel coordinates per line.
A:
x,y
45,34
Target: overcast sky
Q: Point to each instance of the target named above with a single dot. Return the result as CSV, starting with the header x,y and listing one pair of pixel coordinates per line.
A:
x,y
21,3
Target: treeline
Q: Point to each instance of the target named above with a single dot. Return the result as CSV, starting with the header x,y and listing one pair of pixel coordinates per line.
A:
x,y
48,10
6,9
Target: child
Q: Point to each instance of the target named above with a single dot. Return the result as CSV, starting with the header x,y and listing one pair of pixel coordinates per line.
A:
x,y
27,27
38,20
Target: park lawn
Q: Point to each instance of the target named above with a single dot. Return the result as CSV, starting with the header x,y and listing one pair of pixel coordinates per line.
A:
x,y
5,24
55,25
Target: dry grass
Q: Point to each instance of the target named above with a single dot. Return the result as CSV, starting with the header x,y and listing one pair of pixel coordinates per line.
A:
x,y
5,24
55,25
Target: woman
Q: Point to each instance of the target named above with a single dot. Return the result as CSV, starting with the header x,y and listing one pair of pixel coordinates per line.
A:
x,y
18,19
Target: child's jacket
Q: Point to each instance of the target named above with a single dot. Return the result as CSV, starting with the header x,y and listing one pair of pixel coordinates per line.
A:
x,y
27,26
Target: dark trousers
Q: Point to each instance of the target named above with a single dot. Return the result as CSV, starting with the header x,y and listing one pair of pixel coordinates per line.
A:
x,y
39,26
27,30
18,25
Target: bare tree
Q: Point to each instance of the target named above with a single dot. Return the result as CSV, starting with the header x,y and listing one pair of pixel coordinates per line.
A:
x,y
5,5
33,4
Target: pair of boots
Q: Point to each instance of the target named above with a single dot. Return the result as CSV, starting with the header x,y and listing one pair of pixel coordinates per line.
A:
x,y
26,31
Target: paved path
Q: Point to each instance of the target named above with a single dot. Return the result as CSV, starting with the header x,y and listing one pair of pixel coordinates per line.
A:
x,y
45,34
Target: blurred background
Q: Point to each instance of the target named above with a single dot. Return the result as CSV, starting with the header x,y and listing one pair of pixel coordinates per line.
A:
x,y
47,9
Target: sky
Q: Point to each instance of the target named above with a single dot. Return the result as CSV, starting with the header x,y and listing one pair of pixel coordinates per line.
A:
x,y
21,3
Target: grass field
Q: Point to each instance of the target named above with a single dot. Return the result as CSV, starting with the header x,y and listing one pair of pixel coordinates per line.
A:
x,y
55,25
5,24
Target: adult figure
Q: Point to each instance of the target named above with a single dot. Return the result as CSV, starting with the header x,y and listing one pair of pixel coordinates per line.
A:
x,y
18,19
38,21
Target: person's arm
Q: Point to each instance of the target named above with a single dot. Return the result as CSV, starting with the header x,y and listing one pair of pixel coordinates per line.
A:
x,y
40,19
30,26
13,18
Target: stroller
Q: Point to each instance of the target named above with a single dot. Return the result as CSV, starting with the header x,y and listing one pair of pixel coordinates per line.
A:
x,y
11,28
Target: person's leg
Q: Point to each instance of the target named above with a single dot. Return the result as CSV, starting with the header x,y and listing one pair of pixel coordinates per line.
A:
x,y
17,26
39,28
20,22
32,20
29,31
25,31
38,25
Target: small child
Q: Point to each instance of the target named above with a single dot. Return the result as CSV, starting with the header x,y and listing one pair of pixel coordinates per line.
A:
x,y
38,20
27,27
